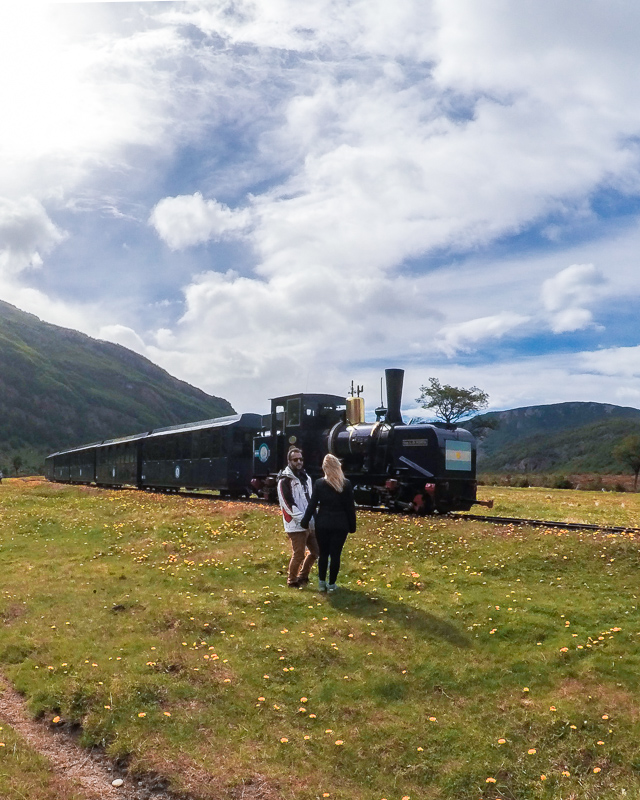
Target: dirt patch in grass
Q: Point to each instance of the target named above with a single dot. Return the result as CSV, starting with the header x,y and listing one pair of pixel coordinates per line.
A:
x,y
12,612
607,697
196,782
75,769
255,788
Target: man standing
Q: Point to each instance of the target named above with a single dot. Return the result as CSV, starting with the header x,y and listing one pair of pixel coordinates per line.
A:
x,y
294,490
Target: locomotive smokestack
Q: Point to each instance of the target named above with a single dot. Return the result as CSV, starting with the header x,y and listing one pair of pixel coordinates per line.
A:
x,y
395,378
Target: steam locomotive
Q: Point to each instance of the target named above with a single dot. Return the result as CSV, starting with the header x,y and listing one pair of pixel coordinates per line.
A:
x,y
410,468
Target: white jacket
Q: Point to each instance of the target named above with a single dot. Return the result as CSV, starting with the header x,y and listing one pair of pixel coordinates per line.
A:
x,y
293,500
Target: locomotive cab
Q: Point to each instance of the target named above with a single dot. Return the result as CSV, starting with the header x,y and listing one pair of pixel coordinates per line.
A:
x,y
300,420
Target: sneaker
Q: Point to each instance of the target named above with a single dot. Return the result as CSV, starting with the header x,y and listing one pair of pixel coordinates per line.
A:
x,y
322,586
331,587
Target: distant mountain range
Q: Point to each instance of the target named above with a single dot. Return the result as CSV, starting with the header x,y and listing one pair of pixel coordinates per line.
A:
x,y
60,388
563,437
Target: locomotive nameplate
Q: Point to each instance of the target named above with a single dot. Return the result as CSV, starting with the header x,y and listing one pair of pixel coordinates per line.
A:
x,y
415,442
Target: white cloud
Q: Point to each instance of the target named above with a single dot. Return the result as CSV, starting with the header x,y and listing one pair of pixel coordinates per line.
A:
x,y
395,30
307,328
571,319
89,92
535,380
26,233
120,334
465,336
622,362
190,219
57,312
386,167
566,294
354,141
294,330
389,159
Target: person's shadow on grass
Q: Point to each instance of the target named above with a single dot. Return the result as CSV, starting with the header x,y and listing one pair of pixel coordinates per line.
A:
x,y
366,606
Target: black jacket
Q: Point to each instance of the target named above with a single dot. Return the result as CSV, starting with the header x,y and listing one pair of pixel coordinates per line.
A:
x,y
331,509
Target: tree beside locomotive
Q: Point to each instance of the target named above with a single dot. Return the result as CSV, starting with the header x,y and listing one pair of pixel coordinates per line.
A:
x,y
411,468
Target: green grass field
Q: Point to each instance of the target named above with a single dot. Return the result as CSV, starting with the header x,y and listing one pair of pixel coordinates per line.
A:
x,y
458,660
564,505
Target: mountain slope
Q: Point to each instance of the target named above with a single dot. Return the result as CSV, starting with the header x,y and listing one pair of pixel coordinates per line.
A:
x,y
566,437
60,388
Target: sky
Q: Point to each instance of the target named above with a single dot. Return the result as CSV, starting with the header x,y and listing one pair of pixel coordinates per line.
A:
x,y
267,196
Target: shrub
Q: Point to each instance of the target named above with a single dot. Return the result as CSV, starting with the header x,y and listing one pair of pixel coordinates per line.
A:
x,y
591,484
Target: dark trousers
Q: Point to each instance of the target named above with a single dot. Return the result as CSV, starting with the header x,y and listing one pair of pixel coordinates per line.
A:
x,y
330,542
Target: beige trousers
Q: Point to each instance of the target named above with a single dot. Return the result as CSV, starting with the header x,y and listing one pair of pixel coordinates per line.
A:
x,y
300,565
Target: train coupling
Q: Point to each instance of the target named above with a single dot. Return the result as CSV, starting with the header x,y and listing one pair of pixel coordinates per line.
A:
x,y
486,503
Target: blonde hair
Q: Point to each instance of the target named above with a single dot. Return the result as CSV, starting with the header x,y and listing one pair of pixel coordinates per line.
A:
x,y
333,473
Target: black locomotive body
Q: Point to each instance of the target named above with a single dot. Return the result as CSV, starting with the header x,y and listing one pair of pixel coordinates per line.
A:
x,y
418,468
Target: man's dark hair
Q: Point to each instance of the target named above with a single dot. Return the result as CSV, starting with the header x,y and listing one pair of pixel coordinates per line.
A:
x,y
292,450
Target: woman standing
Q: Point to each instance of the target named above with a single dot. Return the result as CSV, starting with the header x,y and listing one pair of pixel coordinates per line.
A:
x,y
334,510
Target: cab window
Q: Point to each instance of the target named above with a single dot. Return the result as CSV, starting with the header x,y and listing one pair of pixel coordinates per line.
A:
x,y
293,412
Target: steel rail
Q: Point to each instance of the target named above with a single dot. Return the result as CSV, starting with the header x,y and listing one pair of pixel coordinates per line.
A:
x,y
541,523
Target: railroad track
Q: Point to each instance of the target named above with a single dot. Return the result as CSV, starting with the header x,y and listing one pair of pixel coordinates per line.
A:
x,y
542,523
539,523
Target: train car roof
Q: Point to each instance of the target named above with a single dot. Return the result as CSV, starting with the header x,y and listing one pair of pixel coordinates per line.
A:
x,y
250,420
104,443
315,398
122,439
82,447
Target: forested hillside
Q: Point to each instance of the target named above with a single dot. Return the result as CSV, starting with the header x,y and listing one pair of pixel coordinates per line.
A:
x,y
60,388
563,437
